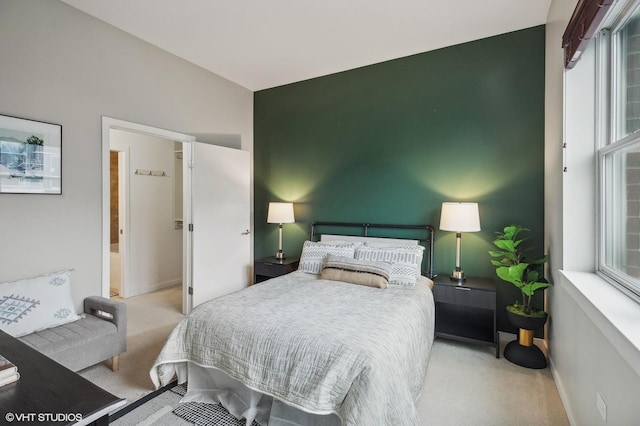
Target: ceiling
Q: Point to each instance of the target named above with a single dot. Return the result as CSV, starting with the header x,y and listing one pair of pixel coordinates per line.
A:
x,y
260,44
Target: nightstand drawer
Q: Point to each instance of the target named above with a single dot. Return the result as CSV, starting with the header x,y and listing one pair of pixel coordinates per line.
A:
x,y
270,269
464,296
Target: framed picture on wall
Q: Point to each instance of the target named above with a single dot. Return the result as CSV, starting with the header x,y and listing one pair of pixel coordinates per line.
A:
x,y
30,156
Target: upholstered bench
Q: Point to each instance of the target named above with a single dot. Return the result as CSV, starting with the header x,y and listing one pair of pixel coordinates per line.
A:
x,y
100,334
40,312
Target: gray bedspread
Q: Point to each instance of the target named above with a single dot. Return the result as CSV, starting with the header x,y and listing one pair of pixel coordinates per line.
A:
x,y
320,346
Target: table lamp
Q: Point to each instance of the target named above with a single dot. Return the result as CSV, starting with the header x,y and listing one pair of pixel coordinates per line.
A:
x,y
459,217
280,213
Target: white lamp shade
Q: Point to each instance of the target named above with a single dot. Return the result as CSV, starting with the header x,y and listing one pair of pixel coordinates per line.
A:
x,y
460,217
280,213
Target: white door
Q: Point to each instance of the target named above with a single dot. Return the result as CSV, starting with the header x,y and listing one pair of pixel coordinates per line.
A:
x,y
217,209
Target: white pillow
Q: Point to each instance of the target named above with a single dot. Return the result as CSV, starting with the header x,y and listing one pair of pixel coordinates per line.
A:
x,y
406,261
36,303
314,254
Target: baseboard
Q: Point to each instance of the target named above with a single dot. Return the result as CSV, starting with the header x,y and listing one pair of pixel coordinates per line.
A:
x,y
148,288
561,391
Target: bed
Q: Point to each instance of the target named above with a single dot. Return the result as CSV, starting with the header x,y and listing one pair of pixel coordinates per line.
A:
x,y
308,348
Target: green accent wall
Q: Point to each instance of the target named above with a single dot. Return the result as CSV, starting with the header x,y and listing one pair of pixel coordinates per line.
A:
x,y
388,143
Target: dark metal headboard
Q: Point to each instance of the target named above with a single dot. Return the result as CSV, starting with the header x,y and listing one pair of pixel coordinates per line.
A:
x,y
340,228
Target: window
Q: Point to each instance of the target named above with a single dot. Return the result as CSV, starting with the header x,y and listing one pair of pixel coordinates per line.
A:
x,y
619,154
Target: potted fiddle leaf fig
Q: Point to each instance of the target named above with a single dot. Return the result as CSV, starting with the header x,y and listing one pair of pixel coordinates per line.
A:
x,y
513,267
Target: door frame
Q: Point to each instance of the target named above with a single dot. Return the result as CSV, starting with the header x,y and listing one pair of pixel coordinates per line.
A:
x,y
123,224
109,123
187,240
123,212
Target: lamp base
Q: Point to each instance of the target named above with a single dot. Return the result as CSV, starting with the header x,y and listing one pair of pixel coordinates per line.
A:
x,y
458,276
280,255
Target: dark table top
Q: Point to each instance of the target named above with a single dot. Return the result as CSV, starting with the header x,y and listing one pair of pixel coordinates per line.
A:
x,y
47,392
471,282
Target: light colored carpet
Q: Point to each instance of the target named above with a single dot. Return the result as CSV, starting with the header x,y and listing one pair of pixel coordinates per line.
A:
x,y
465,384
151,317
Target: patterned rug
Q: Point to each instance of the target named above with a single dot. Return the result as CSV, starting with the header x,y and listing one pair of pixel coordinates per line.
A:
x,y
163,407
202,414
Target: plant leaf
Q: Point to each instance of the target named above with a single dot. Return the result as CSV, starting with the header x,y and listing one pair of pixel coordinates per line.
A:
x,y
510,231
503,274
538,286
506,245
519,269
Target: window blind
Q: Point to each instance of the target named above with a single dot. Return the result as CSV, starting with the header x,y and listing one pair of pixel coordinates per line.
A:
x,y
584,22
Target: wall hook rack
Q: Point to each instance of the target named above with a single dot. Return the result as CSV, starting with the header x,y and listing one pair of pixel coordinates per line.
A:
x,y
145,172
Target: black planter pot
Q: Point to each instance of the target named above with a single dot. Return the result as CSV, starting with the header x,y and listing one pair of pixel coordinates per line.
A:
x,y
527,323
522,351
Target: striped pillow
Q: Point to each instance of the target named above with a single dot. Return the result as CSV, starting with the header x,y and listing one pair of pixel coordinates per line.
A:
x,y
363,272
406,261
315,253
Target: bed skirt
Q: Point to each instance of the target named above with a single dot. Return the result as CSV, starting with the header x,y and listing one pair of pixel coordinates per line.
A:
x,y
213,386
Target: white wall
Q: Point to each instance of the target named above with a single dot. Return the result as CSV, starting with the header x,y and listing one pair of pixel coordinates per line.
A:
x,y
589,357
579,182
584,359
155,255
554,91
62,66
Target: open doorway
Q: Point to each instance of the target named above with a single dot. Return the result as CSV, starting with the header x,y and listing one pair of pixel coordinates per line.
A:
x,y
146,252
117,189
217,249
142,236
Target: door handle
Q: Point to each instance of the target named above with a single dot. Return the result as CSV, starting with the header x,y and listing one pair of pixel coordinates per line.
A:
x,y
246,232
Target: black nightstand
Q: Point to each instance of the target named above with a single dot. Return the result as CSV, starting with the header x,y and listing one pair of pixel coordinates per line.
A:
x,y
270,267
466,311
